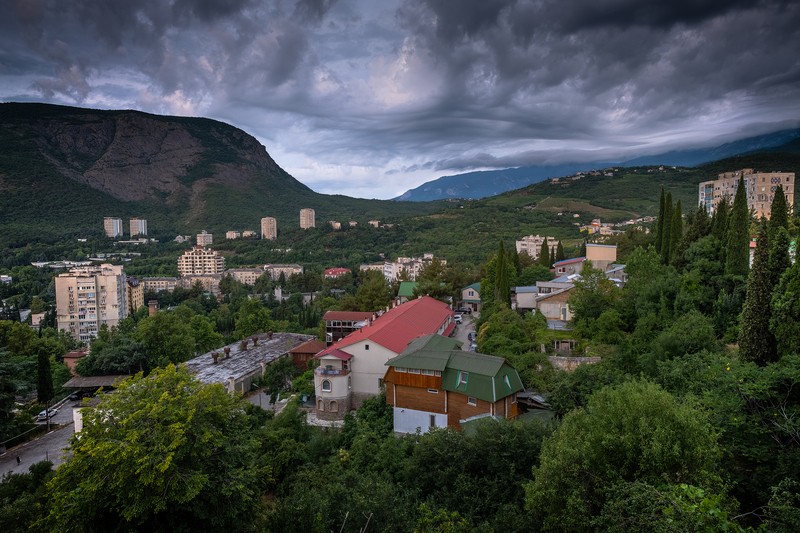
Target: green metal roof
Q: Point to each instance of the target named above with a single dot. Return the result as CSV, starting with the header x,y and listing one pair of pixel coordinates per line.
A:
x,y
407,289
428,352
485,376
475,286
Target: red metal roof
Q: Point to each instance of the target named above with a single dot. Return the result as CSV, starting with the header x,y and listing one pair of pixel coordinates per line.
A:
x,y
347,315
335,272
344,356
569,261
312,346
399,326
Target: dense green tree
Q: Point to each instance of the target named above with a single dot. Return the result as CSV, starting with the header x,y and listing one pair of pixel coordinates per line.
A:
x,y
163,453
560,255
544,254
779,256
373,292
531,274
719,221
22,497
666,232
675,232
779,212
737,249
166,338
593,294
514,260
44,382
660,221
502,282
785,321
756,341
632,432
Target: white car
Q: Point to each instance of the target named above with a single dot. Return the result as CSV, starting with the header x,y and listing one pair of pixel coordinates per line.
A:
x,y
458,319
45,414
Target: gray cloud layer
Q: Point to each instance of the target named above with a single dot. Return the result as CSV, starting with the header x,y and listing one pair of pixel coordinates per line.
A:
x,y
347,94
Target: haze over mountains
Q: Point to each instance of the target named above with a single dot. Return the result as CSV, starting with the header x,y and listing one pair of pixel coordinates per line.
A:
x,y
483,184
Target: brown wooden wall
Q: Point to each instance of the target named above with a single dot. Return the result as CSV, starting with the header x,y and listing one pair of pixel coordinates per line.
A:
x,y
417,398
412,380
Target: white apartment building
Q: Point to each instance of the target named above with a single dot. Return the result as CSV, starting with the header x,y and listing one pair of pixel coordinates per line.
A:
x,y
275,271
113,227
307,218
204,238
88,297
230,235
138,226
269,228
248,276
335,224
410,265
200,260
532,245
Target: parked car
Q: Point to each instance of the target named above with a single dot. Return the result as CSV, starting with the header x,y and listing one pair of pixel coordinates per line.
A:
x,y
464,310
472,336
45,414
473,346
458,319
77,395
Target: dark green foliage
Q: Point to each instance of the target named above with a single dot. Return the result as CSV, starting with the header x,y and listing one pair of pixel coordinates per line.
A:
x,y
544,254
719,221
633,432
660,220
676,231
756,342
44,383
22,497
666,232
502,282
779,258
531,274
560,255
737,254
779,212
785,321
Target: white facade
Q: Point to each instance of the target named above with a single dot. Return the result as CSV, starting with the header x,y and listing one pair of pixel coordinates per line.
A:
x,y
204,238
532,245
138,226
113,227
307,218
200,260
410,420
269,228
89,297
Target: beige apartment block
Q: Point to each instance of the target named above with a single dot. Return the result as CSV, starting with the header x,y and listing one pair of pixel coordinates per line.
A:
x,y
759,186
335,225
88,297
138,226
204,238
269,228
159,284
287,270
601,255
307,218
375,223
248,276
200,260
230,235
532,245
112,227
248,234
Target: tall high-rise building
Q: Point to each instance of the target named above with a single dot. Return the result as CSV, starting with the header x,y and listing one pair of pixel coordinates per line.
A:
x,y
88,297
112,227
138,227
199,260
307,218
204,238
269,228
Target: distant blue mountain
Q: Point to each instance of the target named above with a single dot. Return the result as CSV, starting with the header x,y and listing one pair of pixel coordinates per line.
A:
x,y
486,183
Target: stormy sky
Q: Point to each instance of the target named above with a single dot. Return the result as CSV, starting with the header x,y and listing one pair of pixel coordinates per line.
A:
x,y
372,97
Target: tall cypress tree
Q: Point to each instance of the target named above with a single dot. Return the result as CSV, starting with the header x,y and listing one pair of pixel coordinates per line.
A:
x,y
502,288
737,250
544,254
675,232
44,382
666,229
660,221
779,212
719,222
756,341
513,257
779,259
560,255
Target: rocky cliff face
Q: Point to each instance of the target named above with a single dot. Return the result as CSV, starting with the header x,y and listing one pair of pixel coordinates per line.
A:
x,y
134,156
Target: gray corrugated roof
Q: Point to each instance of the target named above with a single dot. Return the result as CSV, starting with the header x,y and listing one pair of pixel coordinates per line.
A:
x,y
81,382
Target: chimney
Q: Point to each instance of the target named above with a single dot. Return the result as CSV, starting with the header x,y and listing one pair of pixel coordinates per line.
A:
x,y
152,307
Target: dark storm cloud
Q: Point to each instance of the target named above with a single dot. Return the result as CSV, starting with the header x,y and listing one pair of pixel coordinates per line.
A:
x,y
344,90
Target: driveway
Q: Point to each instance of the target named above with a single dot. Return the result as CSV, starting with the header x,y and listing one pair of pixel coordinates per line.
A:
x,y
463,329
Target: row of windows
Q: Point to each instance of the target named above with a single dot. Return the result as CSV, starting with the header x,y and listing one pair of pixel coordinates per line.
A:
x,y
421,371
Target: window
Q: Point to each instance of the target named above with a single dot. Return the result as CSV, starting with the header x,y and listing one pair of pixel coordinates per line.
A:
x,y
427,372
507,381
400,369
433,391
437,373
463,376
326,385
413,370
432,421
471,400
366,346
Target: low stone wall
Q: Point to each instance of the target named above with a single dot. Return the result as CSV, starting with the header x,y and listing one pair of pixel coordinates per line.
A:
x,y
571,363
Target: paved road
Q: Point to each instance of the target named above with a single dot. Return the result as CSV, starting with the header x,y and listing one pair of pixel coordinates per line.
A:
x,y
48,447
463,329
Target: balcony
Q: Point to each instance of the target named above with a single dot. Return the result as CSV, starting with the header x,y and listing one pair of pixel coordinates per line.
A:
x,y
322,371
